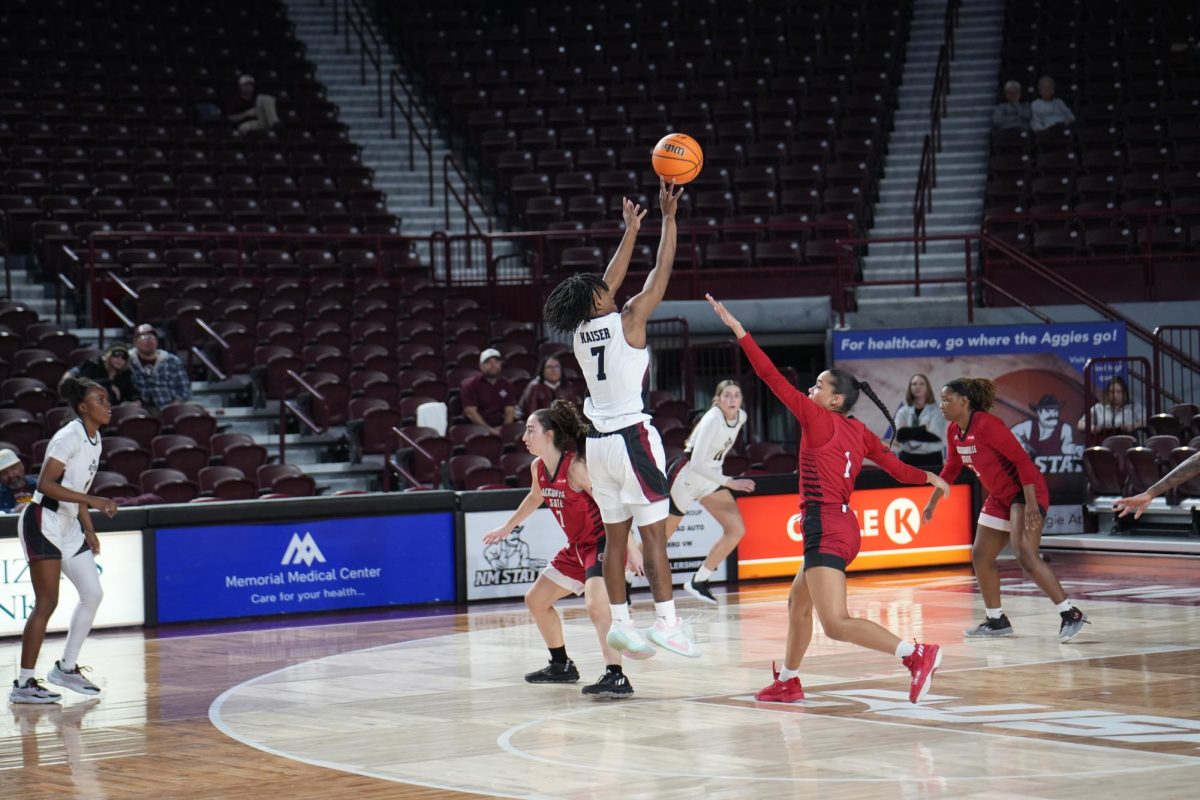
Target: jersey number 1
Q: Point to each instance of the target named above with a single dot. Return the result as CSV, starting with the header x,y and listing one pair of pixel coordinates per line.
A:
x,y
598,352
847,473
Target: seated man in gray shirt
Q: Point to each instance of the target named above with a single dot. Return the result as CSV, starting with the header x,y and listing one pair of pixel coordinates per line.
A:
x,y
1012,114
1048,110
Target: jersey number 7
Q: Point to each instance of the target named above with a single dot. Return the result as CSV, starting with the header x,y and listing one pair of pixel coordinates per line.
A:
x,y
598,352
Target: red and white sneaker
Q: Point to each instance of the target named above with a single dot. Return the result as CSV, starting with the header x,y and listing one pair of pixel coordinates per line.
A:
x,y
922,664
788,691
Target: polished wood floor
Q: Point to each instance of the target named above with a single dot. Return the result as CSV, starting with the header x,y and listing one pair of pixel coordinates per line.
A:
x,y
434,706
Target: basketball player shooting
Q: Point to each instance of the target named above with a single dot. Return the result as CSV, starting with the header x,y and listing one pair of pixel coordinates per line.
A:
x,y
626,462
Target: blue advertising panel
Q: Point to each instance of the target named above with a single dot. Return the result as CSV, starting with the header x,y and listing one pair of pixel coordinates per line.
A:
x,y
222,571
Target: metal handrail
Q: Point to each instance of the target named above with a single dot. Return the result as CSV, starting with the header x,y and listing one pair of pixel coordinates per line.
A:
x,y
239,239
362,28
286,405
468,194
414,135
64,282
687,264
970,279
196,352
391,465
922,204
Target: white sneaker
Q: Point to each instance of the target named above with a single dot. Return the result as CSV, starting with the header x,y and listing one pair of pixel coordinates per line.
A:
x,y
625,638
677,638
73,679
32,692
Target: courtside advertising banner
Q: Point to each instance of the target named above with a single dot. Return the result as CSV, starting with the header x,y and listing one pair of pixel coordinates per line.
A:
x,y
508,568
893,532
1038,370
222,571
120,567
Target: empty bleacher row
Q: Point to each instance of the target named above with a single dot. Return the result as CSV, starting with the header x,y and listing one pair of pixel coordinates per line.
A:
x,y
1120,468
1119,188
792,103
101,126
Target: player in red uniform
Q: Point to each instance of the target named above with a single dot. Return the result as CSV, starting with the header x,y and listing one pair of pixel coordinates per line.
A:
x,y
832,450
1016,504
560,479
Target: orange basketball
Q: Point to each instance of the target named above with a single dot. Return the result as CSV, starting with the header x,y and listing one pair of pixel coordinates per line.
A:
x,y
677,157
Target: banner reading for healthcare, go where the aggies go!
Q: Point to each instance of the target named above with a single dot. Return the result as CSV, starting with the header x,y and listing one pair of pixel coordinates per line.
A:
x,y
1038,369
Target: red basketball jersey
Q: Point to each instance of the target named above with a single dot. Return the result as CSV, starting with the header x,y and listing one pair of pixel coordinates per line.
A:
x,y
988,448
832,446
576,512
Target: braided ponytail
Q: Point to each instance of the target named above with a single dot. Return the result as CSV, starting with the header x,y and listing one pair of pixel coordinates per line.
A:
x,y
866,389
849,388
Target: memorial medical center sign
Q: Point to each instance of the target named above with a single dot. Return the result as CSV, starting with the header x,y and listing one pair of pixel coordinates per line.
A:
x,y
893,532
295,567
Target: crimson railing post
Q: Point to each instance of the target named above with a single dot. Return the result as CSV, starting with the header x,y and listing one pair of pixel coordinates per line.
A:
x,y
837,284
282,433
92,283
446,189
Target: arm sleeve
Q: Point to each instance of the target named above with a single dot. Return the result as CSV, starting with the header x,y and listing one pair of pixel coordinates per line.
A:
x,y
702,446
1006,444
877,452
812,418
953,466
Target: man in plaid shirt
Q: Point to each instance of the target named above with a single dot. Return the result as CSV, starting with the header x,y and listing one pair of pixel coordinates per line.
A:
x,y
159,376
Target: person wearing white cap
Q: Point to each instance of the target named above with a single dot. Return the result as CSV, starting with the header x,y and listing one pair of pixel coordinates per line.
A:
x,y
249,110
16,488
488,398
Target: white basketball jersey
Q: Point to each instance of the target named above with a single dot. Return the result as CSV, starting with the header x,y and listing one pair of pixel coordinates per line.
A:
x,y
614,372
713,437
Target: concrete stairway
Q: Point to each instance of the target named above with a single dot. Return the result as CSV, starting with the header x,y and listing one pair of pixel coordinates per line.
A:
x,y
407,190
961,167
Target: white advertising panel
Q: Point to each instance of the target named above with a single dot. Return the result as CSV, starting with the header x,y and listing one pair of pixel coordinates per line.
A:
x,y
509,568
120,565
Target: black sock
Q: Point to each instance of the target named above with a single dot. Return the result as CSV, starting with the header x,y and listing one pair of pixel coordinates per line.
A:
x,y
558,654
614,669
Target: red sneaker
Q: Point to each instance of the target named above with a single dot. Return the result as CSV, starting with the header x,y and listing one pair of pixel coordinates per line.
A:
x,y
922,664
788,691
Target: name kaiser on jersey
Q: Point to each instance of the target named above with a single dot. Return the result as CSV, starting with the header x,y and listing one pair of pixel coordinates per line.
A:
x,y
587,337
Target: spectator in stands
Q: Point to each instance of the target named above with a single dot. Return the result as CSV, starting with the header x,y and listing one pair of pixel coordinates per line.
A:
x,y
921,427
1049,110
111,371
16,488
488,397
1012,114
250,111
1117,413
544,389
158,376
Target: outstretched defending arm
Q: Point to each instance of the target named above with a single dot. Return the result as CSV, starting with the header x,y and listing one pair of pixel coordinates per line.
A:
x,y
642,305
632,213
806,411
531,503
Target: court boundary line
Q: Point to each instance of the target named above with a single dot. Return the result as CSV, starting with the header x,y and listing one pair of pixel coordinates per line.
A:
x,y
504,740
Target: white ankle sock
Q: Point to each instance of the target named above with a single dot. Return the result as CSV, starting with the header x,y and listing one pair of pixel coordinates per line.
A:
x,y
620,613
994,613
26,674
905,649
1065,605
64,666
786,674
665,610
702,574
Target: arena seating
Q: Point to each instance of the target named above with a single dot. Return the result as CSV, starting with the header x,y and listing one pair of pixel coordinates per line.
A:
x,y
558,108
1113,200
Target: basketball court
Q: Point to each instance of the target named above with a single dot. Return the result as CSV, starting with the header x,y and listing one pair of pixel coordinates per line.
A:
x,y
432,704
